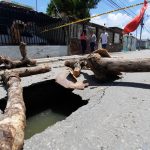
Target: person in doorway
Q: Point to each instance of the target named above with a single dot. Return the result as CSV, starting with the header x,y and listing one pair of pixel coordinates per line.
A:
x,y
83,39
92,41
104,39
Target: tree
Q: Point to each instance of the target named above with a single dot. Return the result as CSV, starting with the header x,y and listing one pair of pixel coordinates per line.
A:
x,y
74,8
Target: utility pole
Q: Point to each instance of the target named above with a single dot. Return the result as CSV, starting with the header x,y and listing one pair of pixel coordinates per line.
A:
x,y
142,24
136,33
36,5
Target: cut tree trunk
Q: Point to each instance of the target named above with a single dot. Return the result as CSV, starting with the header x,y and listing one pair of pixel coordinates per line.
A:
x,y
13,124
16,64
25,61
67,80
105,68
76,66
102,52
13,121
27,71
23,50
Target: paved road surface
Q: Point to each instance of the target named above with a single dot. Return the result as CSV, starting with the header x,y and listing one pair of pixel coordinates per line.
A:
x,y
117,116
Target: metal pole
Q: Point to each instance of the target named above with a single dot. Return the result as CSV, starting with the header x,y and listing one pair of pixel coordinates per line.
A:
x,y
36,5
142,24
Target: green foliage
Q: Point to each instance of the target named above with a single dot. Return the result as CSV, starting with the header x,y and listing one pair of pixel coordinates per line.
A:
x,y
75,8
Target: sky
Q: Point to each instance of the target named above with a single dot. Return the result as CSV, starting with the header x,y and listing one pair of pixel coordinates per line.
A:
x,y
121,18
117,19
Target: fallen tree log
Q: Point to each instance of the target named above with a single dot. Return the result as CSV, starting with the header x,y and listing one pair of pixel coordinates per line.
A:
x,y
76,66
23,50
17,63
67,80
25,61
13,123
105,68
13,120
102,52
27,71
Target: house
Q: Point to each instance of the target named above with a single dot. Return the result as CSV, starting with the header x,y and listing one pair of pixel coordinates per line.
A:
x,y
143,44
34,24
129,42
114,39
22,23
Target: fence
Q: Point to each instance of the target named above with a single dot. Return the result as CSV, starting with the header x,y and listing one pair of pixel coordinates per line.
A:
x,y
21,24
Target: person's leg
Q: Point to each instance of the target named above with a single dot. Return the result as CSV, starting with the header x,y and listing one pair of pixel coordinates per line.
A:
x,y
92,45
104,46
84,46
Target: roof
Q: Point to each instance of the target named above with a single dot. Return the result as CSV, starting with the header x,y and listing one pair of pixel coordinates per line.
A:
x,y
111,29
11,11
15,5
116,29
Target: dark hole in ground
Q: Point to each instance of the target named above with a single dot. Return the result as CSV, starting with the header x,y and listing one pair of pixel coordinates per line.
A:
x,y
46,103
3,103
49,94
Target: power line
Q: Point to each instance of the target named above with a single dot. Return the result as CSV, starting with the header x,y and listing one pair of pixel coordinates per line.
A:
x,y
58,13
85,19
108,4
123,4
147,29
117,6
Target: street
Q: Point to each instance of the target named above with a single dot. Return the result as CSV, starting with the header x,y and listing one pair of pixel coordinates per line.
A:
x,y
117,116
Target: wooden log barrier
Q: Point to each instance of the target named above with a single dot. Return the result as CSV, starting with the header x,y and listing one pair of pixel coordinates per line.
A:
x,y
105,68
27,71
14,120
25,61
17,63
76,66
13,123
70,82
102,52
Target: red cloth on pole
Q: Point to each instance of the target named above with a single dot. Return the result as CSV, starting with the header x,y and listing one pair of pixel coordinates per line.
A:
x,y
133,24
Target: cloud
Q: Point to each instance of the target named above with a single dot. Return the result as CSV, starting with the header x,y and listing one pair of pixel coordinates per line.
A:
x,y
120,20
6,0
146,34
131,1
148,10
112,20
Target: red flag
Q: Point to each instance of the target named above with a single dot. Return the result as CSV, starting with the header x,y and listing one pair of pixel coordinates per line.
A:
x,y
133,24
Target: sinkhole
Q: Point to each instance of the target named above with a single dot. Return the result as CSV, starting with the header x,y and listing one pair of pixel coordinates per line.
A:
x,y
46,103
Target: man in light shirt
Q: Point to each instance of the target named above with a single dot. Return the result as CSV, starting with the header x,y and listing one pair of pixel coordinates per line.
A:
x,y
104,39
92,41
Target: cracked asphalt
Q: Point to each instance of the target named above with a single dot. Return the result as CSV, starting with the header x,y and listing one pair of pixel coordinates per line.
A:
x,y
117,116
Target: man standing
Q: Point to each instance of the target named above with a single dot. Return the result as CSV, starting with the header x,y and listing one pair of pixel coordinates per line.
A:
x,y
92,41
104,39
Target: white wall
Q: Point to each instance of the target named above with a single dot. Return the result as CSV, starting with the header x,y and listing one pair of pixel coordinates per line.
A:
x,y
129,43
34,51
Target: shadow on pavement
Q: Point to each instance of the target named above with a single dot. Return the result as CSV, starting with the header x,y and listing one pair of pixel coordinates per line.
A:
x,y
94,82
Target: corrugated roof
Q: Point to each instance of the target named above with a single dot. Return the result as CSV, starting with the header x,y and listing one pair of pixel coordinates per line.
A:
x,y
14,11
